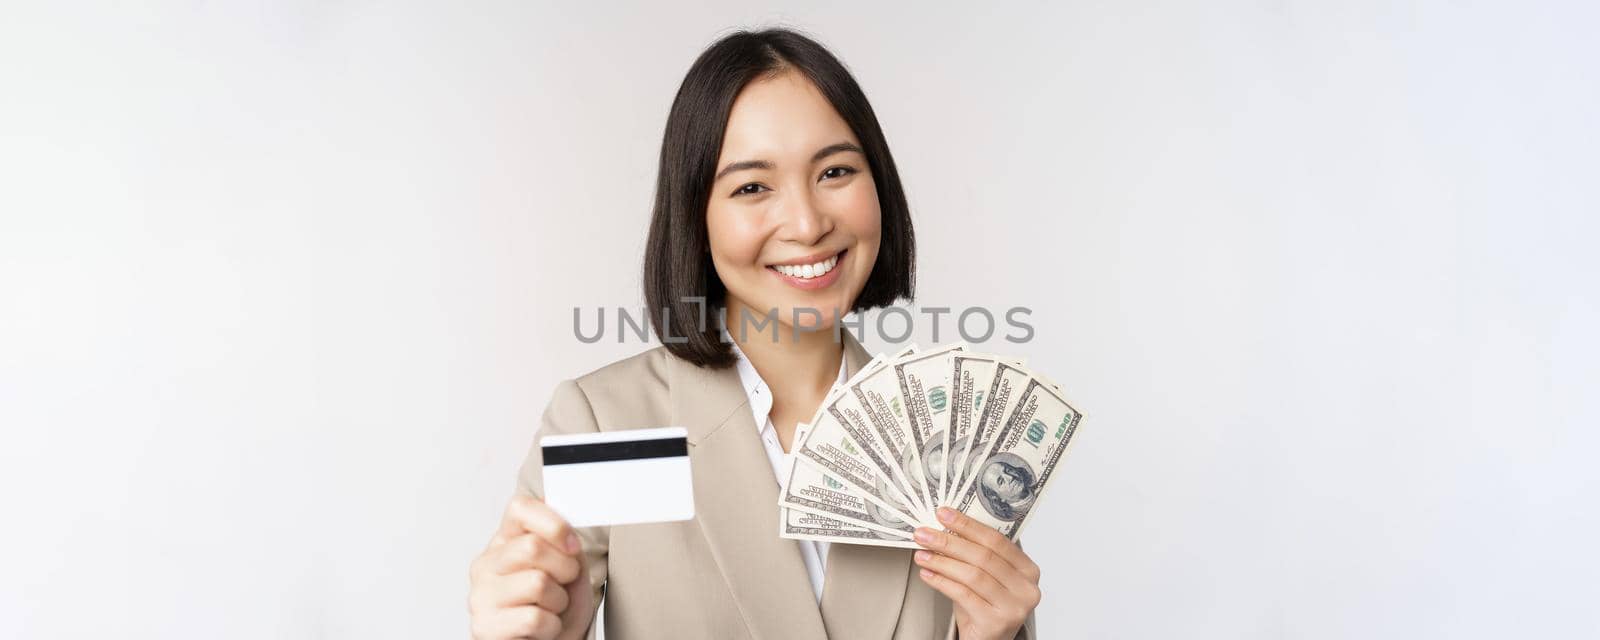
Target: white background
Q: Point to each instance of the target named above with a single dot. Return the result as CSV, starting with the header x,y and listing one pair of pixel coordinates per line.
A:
x,y
285,286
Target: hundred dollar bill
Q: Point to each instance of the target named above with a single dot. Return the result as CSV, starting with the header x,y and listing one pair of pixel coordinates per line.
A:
x,y
875,403
845,450
800,525
851,409
811,490
924,381
1005,389
970,375
1013,474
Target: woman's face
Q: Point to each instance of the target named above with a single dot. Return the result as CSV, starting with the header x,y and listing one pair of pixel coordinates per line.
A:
x,y
793,217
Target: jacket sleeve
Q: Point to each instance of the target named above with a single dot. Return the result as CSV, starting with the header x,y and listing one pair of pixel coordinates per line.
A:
x,y
569,412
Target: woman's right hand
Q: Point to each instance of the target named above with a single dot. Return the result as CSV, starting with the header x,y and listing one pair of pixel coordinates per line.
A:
x,y
531,581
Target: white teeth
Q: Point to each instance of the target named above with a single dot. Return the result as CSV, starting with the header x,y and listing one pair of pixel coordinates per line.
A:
x,y
809,270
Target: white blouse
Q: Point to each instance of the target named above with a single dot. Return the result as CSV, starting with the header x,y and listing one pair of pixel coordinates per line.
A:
x,y
815,554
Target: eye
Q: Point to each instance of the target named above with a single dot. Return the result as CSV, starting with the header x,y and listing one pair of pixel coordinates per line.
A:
x,y
841,169
747,189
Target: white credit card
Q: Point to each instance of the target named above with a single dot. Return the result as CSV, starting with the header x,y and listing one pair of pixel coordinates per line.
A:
x,y
619,477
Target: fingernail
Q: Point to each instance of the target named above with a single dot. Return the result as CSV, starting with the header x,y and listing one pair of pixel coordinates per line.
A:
x,y
946,515
924,536
922,556
573,546
926,574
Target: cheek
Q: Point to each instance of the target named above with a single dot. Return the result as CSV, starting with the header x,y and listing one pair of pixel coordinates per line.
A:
x,y
735,240
858,211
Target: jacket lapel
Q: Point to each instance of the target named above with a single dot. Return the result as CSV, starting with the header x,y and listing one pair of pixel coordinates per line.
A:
x,y
736,504
736,500
864,586
864,590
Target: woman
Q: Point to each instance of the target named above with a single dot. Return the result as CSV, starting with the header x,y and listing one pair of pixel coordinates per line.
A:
x,y
776,197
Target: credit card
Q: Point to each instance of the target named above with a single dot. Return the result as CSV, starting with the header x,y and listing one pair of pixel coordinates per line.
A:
x,y
619,477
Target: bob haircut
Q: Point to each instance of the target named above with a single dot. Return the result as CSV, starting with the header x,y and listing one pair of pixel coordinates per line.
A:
x,y
680,282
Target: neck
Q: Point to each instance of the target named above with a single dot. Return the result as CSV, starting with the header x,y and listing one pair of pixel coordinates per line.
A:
x,y
799,366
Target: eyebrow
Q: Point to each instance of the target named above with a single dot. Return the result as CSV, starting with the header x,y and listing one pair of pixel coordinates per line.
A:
x,y
837,147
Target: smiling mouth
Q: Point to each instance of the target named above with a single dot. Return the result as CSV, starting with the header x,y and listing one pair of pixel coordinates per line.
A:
x,y
809,271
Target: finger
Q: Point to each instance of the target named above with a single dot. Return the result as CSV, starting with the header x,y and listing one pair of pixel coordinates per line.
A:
x,y
517,622
958,593
971,529
527,514
531,587
529,551
969,552
978,580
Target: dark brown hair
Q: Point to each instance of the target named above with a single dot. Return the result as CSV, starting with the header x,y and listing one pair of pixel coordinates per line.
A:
x,y
677,260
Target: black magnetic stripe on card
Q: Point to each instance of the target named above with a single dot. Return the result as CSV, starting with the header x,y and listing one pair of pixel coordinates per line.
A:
x,y
608,451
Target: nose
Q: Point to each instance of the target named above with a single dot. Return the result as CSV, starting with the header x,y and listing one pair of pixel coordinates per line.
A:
x,y
803,222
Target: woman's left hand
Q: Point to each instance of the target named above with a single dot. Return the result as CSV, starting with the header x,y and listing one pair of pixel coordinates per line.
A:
x,y
993,584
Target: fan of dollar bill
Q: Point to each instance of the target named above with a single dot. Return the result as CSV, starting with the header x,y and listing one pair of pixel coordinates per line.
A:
x,y
920,429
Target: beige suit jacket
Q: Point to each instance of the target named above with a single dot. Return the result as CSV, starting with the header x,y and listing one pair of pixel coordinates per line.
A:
x,y
725,573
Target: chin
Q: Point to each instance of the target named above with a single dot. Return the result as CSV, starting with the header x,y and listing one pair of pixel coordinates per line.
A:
x,y
823,320
797,313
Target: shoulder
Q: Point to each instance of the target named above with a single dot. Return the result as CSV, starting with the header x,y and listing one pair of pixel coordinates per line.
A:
x,y
628,393
647,369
